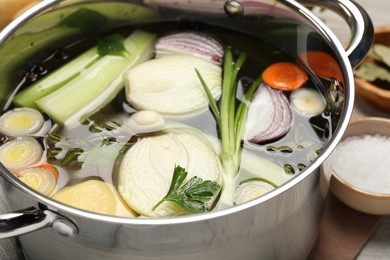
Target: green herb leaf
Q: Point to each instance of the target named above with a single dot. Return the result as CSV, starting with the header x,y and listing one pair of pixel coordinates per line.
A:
x,y
111,45
371,72
382,53
193,195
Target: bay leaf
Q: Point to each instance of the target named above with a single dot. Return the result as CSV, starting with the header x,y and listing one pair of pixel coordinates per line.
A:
x,y
371,72
383,52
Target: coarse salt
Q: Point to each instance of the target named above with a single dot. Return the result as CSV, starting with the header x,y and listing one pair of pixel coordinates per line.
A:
x,y
362,161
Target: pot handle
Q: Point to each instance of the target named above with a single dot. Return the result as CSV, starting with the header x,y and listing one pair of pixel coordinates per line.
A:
x,y
31,219
362,29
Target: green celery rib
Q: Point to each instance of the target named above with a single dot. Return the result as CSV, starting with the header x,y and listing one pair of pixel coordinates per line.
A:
x,y
56,79
98,84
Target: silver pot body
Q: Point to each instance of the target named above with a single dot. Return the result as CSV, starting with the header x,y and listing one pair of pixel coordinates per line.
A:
x,y
282,224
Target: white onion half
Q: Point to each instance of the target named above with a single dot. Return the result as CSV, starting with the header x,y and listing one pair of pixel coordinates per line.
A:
x,y
170,85
146,170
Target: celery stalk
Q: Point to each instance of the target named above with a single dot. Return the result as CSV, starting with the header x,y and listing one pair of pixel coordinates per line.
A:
x,y
56,79
98,84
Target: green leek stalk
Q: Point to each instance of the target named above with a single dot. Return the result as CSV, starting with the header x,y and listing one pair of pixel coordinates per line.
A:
x,y
55,80
230,121
98,84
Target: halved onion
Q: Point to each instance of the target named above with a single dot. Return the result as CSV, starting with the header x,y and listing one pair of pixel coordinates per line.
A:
x,y
40,179
21,121
251,189
20,153
307,102
146,170
192,43
269,116
170,85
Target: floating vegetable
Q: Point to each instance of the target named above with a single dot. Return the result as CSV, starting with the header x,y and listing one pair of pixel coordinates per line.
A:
x,y
269,116
20,153
170,86
307,102
98,84
322,64
285,76
21,121
49,167
96,196
230,121
40,179
56,79
251,189
145,172
145,121
190,43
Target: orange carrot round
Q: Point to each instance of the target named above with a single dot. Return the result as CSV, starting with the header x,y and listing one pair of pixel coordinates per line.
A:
x,y
50,168
322,64
285,76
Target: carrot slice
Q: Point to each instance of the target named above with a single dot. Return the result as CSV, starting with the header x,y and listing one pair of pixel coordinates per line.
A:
x,y
322,64
49,167
285,76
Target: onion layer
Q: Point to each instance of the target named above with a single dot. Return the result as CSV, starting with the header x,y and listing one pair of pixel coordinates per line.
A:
x,y
146,170
170,85
193,43
269,116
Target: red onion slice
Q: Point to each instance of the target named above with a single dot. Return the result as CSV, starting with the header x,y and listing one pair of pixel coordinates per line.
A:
x,y
269,116
193,43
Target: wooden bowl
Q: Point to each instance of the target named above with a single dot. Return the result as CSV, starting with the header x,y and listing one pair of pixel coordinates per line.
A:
x,y
369,202
376,96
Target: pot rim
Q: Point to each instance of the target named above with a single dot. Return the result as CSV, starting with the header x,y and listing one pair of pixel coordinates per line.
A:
x,y
311,169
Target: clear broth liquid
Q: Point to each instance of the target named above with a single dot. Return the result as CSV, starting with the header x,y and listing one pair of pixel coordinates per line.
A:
x,y
292,153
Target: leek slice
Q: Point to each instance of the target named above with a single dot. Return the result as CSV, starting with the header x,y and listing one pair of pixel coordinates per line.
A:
x,y
21,121
98,84
20,153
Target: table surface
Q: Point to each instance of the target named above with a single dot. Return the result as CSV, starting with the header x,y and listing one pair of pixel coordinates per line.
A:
x,y
378,245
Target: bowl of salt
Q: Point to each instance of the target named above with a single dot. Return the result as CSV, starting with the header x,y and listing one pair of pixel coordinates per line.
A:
x,y
361,166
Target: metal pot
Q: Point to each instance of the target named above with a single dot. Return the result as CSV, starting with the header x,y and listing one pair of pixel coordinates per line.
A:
x,y
282,224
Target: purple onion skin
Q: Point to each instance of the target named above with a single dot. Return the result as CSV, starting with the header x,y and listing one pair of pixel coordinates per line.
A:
x,y
192,43
282,116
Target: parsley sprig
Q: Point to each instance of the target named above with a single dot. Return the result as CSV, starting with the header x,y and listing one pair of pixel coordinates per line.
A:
x,y
193,195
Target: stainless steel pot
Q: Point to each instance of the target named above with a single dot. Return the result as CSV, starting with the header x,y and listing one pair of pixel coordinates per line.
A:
x,y
282,224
